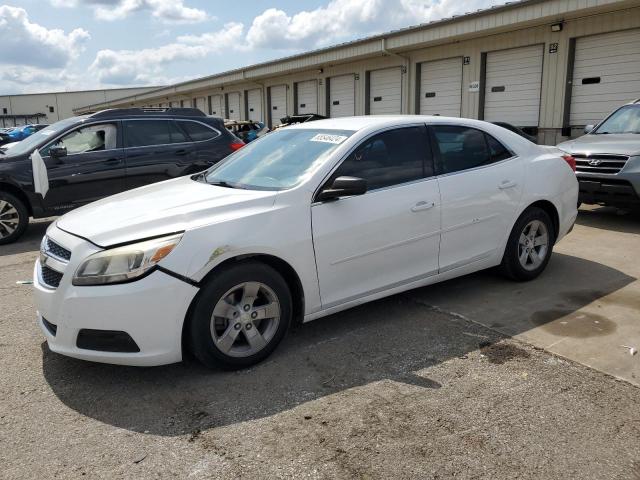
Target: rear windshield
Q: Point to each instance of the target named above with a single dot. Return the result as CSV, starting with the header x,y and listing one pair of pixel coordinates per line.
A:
x,y
277,161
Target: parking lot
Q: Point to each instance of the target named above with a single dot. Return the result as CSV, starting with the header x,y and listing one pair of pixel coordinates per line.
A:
x,y
449,380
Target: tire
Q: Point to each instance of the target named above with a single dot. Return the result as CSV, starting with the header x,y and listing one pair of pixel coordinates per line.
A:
x,y
224,332
14,218
518,247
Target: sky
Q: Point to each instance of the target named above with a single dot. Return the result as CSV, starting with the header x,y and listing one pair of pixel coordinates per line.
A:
x,y
58,45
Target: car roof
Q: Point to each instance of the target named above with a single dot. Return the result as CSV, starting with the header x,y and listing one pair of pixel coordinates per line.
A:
x,y
381,121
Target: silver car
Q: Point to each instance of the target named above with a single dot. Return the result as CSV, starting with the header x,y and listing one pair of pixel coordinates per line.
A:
x,y
608,159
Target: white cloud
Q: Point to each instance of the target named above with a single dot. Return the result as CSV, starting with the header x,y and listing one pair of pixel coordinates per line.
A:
x,y
169,11
27,43
123,67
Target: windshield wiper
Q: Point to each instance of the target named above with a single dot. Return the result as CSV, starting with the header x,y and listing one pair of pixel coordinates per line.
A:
x,y
222,183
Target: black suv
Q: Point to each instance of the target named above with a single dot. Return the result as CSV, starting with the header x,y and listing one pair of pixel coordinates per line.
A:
x,y
93,156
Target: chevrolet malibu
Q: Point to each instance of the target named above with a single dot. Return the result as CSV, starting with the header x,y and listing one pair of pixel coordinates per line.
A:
x,y
302,223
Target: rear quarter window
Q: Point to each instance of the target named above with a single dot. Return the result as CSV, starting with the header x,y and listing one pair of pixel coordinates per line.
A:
x,y
197,131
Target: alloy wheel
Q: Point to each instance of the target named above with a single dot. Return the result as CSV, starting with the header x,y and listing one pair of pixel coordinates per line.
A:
x,y
533,245
9,219
245,319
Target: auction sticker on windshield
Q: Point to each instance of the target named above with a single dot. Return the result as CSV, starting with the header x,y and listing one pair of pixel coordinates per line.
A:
x,y
323,137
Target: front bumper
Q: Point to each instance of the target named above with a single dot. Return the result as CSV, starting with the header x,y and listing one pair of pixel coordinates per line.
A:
x,y
605,191
150,311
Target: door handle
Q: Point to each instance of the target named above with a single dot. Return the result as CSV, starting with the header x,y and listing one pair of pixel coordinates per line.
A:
x,y
182,152
420,206
506,184
112,161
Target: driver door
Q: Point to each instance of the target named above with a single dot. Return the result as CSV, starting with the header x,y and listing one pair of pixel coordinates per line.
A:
x,y
93,167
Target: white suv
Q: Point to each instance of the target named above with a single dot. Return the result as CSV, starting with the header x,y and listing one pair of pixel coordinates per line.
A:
x,y
304,222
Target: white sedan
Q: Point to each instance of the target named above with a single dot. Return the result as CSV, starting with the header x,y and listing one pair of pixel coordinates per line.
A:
x,y
302,223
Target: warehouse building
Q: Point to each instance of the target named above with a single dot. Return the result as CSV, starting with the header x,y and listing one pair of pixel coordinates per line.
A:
x,y
51,107
549,66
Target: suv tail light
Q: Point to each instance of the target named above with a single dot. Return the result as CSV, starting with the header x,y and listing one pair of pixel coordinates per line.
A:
x,y
570,161
238,145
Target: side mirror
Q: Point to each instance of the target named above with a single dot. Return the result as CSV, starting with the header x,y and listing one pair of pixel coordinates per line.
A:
x,y
343,187
58,151
589,128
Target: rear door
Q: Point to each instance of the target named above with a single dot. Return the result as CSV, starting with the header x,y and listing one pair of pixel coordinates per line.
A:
x,y
93,167
481,185
212,144
156,150
389,236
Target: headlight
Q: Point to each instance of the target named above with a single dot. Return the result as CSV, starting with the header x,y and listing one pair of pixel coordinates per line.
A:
x,y
124,263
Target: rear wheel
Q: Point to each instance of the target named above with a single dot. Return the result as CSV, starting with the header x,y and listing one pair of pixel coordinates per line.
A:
x,y
240,316
14,218
529,246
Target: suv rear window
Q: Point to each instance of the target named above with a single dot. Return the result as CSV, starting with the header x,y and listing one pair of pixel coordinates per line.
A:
x,y
197,131
142,133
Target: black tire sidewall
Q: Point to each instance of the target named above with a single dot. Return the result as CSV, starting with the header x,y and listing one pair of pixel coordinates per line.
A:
x,y
200,340
23,219
510,262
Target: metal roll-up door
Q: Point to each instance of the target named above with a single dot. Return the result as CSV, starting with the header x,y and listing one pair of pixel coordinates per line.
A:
x,y
233,106
201,104
512,86
441,87
385,91
606,75
278,103
254,105
307,97
217,106
342,96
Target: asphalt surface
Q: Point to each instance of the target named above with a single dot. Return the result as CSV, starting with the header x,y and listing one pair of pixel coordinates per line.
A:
x,y
399,388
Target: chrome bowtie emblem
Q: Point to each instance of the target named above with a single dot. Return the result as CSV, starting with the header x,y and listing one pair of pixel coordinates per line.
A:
x,y
594,162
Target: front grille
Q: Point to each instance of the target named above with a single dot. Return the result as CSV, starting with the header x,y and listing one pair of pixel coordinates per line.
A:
x,y
57,250
53,329
600,163
50,277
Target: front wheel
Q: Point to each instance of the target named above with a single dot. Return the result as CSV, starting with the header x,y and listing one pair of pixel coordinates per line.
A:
x,y
240,316
529,246
14,218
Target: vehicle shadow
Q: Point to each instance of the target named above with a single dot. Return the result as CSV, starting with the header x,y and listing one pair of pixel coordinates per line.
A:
x,y
30,241
610,218
391,339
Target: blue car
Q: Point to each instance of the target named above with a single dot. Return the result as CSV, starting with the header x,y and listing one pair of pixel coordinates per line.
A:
x,y
19,133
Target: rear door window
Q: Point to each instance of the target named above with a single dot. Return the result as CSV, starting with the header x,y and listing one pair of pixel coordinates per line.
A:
x,y
142,133
498,151
197,131
460,148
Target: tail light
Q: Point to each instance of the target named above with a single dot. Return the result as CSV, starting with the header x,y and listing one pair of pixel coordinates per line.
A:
x,y
570,161
236,146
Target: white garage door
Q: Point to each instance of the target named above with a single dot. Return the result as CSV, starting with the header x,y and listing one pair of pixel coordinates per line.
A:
x,y
217,106
233,106
385,91
201,104
512,86
606,74
342,96
278,96
307,96
441,87
254,104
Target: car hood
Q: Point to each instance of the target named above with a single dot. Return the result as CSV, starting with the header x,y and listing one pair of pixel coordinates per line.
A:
x,y
161,208
621,144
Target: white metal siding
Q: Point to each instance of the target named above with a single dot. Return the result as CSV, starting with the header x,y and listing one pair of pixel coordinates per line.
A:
x,y
385,91
308,96
342,96
201,104
217,106
518,73
278,103
441,87
254,104
234,106
613,61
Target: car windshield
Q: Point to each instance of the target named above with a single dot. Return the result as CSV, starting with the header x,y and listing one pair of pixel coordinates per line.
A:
x,y
39,138
624,120
277,161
